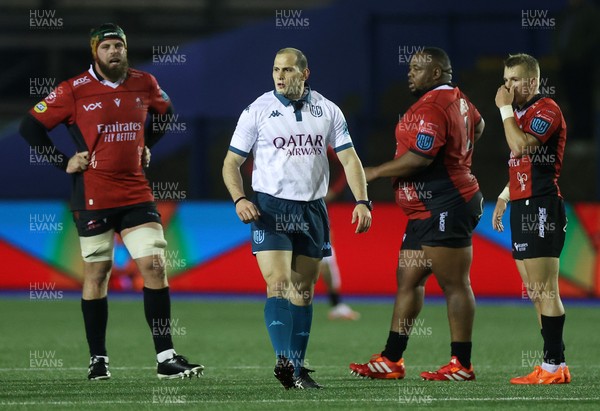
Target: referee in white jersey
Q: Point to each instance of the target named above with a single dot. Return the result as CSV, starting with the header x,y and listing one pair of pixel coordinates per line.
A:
x,y
288,131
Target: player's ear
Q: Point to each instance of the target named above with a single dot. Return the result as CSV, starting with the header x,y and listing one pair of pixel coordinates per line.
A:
x,y
305,74
437,72
534,83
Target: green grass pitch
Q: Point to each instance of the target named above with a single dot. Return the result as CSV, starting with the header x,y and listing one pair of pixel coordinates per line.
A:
x,y
44,359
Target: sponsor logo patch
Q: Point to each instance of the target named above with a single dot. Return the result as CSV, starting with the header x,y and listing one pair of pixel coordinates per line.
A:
x,y
92,106
539,125
345,130
316,111
442,224
258,236
81,81
51,97
424,141
520,246
40,107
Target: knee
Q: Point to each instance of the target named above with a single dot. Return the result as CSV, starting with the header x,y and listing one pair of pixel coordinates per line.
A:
x,y
409,287
306,284
539,292
455,287
146,245
301,292
304,290
278,285
410,280
152,268
534,296
97,273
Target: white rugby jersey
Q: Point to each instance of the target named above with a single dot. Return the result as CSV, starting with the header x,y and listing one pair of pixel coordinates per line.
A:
x,y
290,146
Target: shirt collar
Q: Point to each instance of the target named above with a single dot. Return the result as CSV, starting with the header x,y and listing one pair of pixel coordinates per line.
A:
x,y
443,86
531,102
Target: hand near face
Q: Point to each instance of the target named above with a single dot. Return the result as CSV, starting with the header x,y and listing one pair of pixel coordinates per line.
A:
x,y
505,96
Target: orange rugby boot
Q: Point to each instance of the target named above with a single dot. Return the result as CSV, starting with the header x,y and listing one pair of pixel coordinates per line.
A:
x,y
541,376
567,373
379,367
453,371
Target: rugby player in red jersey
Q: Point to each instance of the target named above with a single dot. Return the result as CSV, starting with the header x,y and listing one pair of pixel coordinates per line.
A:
x,y
105,110
431,174
536,134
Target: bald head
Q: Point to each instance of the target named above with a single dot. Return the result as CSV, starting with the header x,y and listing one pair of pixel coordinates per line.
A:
x,y
428,68
440,59
301,61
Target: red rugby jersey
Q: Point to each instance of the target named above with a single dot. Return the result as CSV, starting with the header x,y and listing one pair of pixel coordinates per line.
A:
x,y
536,172
108,121
439,126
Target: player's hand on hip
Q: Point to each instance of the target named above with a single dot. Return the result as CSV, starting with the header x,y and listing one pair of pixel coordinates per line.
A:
x,y
247,211
497,216
78,163
362,215
505,96
146,157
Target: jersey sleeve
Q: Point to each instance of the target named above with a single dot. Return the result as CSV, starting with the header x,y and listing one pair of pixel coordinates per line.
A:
x,y
159,100
58,107
246,132
340,138
423,131
543,123
476,114
338,181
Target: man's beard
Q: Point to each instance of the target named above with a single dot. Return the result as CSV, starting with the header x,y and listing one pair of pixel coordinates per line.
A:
x,y
114,73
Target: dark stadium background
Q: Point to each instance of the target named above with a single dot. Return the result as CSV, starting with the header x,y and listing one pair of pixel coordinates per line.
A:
x,y
214,58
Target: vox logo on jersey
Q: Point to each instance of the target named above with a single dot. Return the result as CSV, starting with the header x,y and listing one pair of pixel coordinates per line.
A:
x,y
92,106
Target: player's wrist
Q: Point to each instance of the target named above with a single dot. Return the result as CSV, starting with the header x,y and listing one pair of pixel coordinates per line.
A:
x,y
506,111
366,203
239,199
505,195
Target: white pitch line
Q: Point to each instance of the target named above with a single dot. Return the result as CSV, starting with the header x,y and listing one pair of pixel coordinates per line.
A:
x,y
506,369
73,369
295,400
